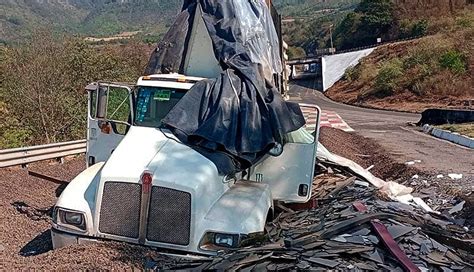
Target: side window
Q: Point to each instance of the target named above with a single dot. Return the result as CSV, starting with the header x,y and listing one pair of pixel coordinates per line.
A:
x,y
118,106
111,106
309,133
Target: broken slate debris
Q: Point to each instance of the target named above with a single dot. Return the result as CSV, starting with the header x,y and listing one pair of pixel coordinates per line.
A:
x,y
457,208
397,231
333,235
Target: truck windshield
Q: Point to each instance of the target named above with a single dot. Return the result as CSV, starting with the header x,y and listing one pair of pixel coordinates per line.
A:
x,y
153,103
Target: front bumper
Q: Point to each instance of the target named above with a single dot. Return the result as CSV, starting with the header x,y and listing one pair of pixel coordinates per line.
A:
x,y
62,239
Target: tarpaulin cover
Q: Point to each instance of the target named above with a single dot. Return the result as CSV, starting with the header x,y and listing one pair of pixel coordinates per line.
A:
x,y
237,118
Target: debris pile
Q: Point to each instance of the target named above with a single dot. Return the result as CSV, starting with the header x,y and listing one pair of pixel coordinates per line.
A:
x,y
353,227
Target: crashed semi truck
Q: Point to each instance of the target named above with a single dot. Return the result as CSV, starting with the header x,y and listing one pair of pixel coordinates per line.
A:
x,y
193,157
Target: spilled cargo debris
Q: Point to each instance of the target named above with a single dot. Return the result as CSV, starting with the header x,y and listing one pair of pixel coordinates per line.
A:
x,y
353,227
333,198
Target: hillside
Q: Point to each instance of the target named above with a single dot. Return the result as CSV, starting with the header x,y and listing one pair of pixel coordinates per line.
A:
x,y
427,8
20,18
305,8
150,17
433,71
307,23
101,18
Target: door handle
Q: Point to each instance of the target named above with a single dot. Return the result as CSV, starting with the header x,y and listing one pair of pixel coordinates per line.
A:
x,y
105,127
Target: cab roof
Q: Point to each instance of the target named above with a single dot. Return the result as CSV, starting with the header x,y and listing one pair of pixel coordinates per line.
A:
x,y
177,81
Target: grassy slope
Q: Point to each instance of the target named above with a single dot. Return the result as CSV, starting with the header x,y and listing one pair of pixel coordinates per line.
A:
x,y
18,18
434,71
152,17
463,129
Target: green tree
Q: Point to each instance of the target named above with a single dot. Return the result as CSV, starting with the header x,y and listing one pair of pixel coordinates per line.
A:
x,y
376,14
296,52
370,20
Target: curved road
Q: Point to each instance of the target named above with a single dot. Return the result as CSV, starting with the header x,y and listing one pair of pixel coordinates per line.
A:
x,y
391,130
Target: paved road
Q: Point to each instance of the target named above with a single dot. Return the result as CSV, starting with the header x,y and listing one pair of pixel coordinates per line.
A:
x,y
390,129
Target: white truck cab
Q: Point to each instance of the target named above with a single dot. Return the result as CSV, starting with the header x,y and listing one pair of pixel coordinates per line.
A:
x,y
144,186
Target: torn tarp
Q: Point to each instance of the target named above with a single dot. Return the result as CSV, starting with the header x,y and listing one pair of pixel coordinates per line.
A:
x,y
240,114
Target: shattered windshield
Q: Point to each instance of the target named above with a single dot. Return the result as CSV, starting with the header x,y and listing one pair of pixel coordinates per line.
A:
x,y
154,103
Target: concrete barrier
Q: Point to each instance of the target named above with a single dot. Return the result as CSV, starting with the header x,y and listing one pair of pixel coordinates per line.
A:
x,y
446,116
449,136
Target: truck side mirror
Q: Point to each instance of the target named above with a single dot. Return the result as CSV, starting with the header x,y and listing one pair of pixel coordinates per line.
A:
x,y
101,102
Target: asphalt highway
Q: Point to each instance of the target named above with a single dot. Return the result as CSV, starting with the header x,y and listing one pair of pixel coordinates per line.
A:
x,y
392,130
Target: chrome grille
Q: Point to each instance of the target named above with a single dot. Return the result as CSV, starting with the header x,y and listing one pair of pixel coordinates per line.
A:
x,y
169,219
120,209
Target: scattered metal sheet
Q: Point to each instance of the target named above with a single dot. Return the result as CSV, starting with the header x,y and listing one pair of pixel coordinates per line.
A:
x,y
438,246
362,232
365,266
353,222
313,245
325,262
261,267
457,208
296,237
388,241
398,231
356,240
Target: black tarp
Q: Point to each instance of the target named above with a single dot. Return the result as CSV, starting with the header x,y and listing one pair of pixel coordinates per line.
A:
x,y
237,118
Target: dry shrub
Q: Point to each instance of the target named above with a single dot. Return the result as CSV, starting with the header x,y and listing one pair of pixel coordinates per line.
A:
x,y
43,82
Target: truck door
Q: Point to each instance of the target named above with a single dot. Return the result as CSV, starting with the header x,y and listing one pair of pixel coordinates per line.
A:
x,y
110,116
290,175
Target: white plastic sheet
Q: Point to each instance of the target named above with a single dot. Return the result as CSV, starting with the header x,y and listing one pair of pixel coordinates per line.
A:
x,y
391,189
258,35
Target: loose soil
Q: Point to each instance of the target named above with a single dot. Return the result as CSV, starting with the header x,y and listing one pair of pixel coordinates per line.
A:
x,y
26,202
348,93
364,152
25,220
368,152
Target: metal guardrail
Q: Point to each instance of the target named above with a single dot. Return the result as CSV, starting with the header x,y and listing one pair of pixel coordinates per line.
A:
x,y
25,155
317,58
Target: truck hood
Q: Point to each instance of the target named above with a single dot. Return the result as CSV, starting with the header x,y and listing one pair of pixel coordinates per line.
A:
x,y
133,154
173,164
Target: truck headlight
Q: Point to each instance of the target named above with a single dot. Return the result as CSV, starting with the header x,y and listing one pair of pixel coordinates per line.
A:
x,y
213,241
226,240
72,220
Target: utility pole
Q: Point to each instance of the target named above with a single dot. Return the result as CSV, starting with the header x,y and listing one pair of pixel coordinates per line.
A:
x,y
332,45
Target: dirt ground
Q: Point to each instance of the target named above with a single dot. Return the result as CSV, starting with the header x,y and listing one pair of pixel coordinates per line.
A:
x,y
365,152
26,202
25,242
348,93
